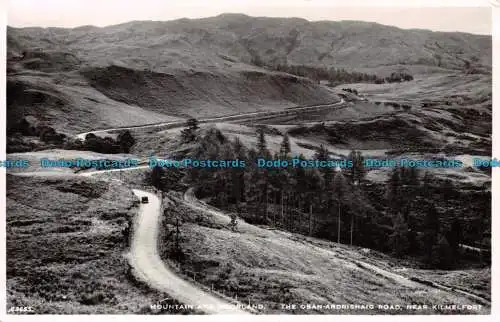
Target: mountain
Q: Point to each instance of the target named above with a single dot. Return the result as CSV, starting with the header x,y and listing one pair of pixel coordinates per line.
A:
x,y
230,38
147,71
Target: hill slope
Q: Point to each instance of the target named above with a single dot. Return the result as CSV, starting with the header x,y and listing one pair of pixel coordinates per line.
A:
x,y
231,38
276,270
147,71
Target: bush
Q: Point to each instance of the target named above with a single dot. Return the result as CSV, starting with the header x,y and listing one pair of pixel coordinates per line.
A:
x,y
125,140
103,145
23,127
97,298
399,77
442,255
350,90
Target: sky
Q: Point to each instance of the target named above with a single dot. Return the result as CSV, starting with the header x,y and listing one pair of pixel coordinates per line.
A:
x,y
73,13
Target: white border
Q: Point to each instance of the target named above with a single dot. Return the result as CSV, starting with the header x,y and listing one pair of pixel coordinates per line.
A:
x,y
3,117
495,207
232,6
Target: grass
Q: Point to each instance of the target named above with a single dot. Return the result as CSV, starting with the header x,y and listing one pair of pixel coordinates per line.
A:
x,y
65,248
79,107
271,268
57,154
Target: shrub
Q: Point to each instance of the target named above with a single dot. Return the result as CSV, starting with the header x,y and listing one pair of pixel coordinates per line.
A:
x,y
96,298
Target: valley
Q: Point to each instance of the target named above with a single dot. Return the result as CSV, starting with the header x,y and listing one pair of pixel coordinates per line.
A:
x,y
290,241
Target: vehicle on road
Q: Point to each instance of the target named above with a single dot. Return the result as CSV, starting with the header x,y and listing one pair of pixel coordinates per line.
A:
x,y
144,200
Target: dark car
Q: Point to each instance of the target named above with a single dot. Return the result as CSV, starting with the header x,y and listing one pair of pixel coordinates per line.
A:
x,y
144,200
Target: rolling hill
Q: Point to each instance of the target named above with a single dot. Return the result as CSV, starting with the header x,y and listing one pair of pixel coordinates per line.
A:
x,y
148,71
230,39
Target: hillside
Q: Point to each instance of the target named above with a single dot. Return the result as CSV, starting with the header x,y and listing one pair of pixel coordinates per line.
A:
x,y
273,269
147,71
271,235
85,270
231,38
66,246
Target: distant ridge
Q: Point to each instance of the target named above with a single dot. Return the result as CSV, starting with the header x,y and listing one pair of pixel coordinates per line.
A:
x,y
194,43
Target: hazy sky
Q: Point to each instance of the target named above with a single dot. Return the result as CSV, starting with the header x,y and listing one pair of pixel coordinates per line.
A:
x,y
72,13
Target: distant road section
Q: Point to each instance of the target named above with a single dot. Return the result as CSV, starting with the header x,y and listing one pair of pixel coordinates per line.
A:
x,y
244,116
149,267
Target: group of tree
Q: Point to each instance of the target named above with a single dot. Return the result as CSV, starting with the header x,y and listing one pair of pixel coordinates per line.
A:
x,y
296,199
419,227
107,145
47,134
351,90
163,179
189,134
402,216
398,77
335,76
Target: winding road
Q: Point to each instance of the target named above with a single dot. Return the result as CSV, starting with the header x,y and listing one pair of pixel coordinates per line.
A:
x,y
144,256
149,267
242,116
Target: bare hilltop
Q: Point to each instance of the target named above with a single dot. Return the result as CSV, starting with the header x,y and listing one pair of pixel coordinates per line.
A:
x,y
147,71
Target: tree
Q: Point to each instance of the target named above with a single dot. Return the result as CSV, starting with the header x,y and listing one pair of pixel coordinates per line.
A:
x,y
357,206
322,154
430,232
223,186
285,146
358,170
257,187
314,186
234,223
407,77
426,188
47,133
238,174
410,188
156,177
108,145
454,237
189,133
448,190
339,188
234,218
284,182
466,65
393,191
192,123
125,141
261,143
22,126
257,61
402,191
92,143
442,255
399,237
439,59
